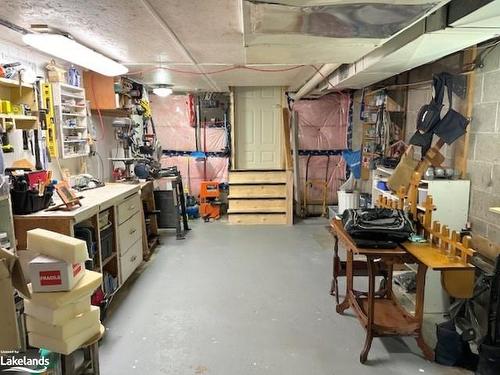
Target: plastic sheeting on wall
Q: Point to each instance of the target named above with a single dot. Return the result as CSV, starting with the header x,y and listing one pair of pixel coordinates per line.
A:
x,y
192,171
174,130
317,171
323,122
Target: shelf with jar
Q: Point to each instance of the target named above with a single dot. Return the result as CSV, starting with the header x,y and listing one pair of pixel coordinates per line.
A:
x,y
71,119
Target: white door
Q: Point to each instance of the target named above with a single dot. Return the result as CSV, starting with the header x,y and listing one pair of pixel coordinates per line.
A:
x,y
258,117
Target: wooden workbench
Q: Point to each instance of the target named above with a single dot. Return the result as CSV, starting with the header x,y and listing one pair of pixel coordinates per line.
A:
x,y
121,202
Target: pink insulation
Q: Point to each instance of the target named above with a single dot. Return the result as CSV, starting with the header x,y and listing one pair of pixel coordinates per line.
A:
x,y
323,125
192,171
323,122
174,130
317,172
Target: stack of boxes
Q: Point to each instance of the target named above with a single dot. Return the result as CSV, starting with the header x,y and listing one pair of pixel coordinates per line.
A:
x,y
59,316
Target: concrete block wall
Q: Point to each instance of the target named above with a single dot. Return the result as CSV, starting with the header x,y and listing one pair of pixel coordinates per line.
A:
x,y
484,149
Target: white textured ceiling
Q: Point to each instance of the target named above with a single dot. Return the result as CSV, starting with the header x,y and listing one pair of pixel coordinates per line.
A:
x,y
198,36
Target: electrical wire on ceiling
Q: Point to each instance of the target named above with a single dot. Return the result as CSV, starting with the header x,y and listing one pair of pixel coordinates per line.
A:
x,y
228,69
487,49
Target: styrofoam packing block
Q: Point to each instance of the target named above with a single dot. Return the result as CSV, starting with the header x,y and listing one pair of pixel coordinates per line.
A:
x,y
90,282
58,316
70,328
71,250
68,345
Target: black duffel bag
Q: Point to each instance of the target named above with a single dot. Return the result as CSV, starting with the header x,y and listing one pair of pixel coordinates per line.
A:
x,y
377,227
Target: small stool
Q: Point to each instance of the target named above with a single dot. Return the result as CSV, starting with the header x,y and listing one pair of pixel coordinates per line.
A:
x,y
90,365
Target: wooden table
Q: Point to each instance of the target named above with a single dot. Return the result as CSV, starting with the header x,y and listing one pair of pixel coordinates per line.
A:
x,y
378,311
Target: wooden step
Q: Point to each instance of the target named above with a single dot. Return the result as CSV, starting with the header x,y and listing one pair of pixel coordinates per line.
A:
x,y
257,205
254,219
257,191
257,177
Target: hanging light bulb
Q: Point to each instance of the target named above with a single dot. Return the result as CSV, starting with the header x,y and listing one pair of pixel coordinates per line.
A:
x,y
162,91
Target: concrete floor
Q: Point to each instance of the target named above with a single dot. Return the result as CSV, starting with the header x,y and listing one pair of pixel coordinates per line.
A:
x,y
237,300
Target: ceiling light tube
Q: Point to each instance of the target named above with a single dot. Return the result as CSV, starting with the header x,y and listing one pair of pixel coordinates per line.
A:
x,y
162,91
68,49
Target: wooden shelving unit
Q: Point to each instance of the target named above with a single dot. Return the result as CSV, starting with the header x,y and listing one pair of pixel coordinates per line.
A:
x,y
18,94
71,119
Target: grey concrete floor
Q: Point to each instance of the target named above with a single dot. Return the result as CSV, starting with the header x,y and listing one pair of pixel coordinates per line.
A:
x,y
237,300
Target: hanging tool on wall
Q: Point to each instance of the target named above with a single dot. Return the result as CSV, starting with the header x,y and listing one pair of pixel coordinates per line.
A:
x,y
38,139
48,103
5,127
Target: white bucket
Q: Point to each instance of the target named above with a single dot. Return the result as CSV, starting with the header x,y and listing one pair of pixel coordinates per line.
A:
x,y
347,200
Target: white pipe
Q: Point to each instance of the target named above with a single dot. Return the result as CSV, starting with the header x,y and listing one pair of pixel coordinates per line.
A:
x,y
315,80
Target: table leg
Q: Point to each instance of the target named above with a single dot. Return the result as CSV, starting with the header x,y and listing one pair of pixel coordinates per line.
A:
x,y
388,286
419,311
94,355
370,310
334,290
68,364
349,281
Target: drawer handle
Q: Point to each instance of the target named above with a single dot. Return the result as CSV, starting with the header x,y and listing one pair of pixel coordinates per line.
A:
x,y
132,231
131,207
133,258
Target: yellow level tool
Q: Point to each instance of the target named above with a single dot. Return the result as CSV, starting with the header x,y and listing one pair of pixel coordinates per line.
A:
x,y
48,103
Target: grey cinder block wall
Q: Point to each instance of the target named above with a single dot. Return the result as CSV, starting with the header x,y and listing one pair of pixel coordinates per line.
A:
x,y
484,149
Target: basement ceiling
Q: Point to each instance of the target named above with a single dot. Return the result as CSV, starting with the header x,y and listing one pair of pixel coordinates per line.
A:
x,y
199,38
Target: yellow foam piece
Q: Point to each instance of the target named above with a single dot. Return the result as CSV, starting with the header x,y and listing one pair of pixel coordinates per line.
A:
x,y
56,245
55,300
70,328
68,345
58,316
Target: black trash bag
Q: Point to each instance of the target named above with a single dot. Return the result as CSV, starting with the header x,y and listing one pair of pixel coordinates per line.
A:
x,y
489,360
451,349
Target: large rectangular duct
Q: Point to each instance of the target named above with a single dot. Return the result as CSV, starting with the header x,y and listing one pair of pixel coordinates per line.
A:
x,y
448,30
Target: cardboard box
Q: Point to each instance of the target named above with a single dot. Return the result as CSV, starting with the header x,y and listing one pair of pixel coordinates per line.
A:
x,y
54,300
65,331
11,276
25,257
54,275
58,316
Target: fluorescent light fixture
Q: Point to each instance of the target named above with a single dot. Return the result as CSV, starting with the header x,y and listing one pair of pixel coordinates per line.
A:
x,y
162,91
68,49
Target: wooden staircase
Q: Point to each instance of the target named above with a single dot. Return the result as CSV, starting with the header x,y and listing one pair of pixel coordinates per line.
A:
x,y
260,197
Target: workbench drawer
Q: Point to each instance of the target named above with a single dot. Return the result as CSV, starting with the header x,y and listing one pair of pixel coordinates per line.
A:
x,y
129,207
130,231
130,260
